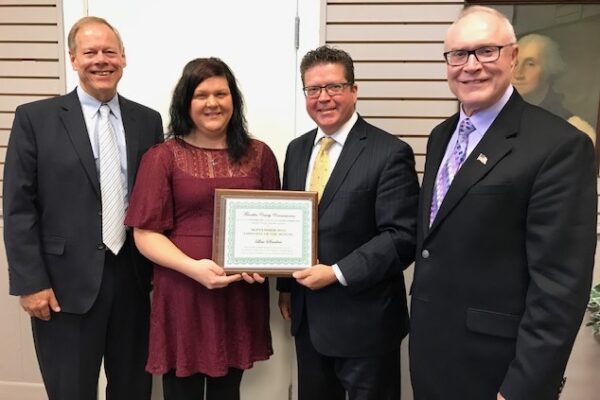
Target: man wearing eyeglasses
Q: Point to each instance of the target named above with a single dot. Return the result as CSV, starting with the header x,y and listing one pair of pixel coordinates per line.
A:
x,y
506,232
349,312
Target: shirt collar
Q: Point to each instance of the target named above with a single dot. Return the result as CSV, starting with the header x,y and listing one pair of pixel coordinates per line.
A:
x,y
483,119
90,105
341,134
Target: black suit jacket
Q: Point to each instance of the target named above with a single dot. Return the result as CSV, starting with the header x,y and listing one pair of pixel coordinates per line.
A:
x,y
366,227
52,204
503,275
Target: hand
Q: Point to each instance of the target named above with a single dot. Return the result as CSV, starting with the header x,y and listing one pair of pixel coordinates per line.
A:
x,y
285,305
39,304
212,276
254,278
500,397
316,277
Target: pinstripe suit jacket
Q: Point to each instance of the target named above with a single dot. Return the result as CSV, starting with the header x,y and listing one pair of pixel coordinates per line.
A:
x,y
367,218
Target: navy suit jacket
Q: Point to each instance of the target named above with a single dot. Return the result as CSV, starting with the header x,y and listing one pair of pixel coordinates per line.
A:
x,y
367,222
52,204
503,274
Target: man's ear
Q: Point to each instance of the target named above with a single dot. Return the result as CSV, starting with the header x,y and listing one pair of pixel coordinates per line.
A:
x,y
72,59
515,56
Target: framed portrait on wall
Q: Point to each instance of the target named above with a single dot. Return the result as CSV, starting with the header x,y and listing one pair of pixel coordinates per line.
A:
x,y
559,57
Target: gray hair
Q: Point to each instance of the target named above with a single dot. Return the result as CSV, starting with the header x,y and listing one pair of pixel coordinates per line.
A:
x,y
551,60
491,11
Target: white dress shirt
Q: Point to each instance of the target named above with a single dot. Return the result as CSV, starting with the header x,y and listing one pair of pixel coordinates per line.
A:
x,y
335,150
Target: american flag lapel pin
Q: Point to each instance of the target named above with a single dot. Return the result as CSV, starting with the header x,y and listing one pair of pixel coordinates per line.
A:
x,y
482,158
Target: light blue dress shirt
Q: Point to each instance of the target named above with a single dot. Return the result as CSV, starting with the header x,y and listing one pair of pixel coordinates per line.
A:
x,y
91,114
481,120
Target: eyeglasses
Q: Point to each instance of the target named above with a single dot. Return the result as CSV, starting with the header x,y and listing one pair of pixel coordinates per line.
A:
x,y
333,89
485,54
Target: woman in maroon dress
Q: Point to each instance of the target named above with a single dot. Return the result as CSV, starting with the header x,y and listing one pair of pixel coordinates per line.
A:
x,y
205,327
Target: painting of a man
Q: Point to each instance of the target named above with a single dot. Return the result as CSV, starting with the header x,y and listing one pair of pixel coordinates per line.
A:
x,y
539,64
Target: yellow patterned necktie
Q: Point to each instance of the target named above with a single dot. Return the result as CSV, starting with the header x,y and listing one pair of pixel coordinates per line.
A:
x,y
320,172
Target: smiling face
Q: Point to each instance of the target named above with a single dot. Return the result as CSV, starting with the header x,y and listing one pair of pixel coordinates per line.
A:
x,y
211,109
478,86
329,112
99,60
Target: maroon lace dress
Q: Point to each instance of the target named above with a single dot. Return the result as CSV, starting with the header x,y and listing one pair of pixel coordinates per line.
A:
x,y
193,329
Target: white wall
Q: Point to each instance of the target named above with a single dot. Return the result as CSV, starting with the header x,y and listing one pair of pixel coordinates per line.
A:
x,y
256,39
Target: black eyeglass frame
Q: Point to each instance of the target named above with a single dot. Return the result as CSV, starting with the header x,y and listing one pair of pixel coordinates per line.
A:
x,y
474,52
326,87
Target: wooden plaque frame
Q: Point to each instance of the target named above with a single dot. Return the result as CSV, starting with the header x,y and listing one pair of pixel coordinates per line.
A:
x,y
273,200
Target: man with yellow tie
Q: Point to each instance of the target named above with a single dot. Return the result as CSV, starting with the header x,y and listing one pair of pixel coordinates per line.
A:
x,y
349,312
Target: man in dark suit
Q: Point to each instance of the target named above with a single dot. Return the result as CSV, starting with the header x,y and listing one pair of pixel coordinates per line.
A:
x,y
87,295
505,244
349,312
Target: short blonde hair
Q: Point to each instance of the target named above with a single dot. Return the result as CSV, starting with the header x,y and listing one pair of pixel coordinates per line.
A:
x,y
87,21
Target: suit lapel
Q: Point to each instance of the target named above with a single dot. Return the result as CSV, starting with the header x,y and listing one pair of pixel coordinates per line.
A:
x,y
132,140
354,145
296,168
435,153
494,146
71,116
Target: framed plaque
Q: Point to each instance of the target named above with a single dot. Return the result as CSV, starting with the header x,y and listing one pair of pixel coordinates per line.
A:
x,y
270,232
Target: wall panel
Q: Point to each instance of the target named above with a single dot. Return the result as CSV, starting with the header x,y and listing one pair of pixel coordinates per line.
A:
x,y
31,68
399,69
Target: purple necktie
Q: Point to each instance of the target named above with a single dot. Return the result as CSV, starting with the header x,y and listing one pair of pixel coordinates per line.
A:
x,y
448,171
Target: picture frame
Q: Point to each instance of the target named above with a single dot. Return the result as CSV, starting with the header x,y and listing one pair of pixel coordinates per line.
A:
x,y
573,81
270,232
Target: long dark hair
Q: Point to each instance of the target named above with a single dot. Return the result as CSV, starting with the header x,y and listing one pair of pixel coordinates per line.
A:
x,y
194,73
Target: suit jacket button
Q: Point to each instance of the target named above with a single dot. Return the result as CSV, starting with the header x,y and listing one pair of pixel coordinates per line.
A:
x,y
100,213
100,246
425,253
